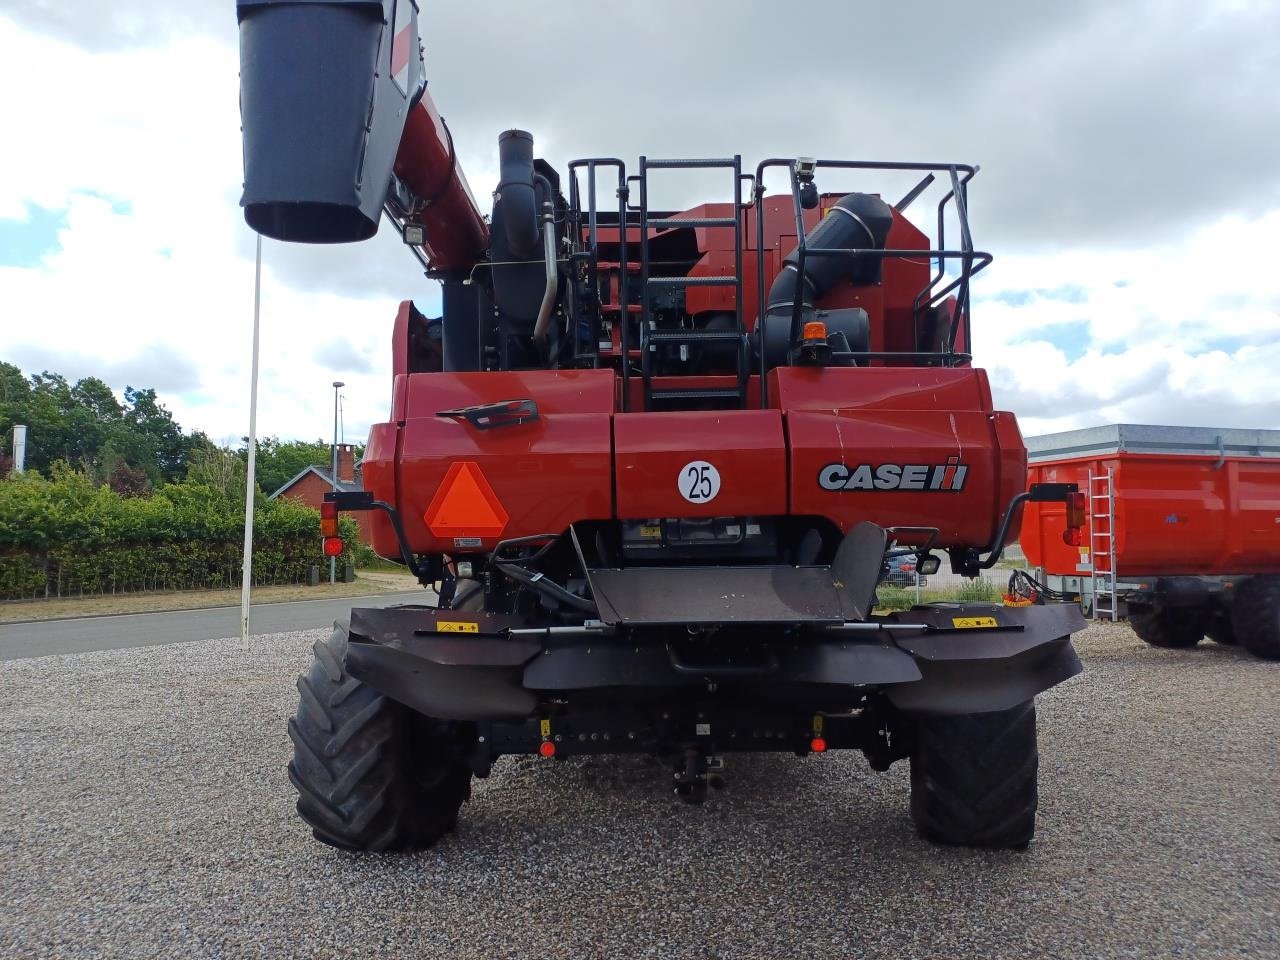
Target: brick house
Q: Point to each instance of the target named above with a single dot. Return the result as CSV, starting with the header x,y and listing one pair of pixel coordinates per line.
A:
x,y
310,484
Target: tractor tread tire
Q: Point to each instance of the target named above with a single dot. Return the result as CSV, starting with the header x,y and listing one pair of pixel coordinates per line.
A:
x,y
363,765
974,778
1255,614
1172,629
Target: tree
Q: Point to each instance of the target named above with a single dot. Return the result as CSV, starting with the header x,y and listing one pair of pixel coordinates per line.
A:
x,y
85,425
278,461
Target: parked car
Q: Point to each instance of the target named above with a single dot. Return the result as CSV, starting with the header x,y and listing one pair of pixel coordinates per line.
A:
x,y
902,572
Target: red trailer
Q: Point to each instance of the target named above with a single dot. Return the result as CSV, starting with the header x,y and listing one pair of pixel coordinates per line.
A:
x,y
1183,532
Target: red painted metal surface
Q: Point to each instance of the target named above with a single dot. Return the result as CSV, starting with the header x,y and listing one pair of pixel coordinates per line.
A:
x,y
546,473
1176,514
456,235
934,451
654,454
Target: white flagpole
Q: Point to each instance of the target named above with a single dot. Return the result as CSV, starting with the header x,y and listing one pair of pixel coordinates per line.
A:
x,y
247,562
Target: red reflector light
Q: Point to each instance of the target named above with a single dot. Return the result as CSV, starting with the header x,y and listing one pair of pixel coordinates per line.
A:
x,y
1072,537
328,510
332,546
547,748
818,745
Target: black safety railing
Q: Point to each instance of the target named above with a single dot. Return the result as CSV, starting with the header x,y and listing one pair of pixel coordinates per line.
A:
x,y
591,255
929,297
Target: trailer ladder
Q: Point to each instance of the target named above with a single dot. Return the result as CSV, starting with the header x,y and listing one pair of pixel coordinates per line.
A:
x,y
651,338
1102,545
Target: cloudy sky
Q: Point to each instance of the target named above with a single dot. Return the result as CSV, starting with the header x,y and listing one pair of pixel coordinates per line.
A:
x,y
1130,184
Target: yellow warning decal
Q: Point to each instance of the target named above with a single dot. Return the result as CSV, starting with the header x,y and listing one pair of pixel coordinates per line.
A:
x,y
651,531
457,626
545,727
817,724
973,623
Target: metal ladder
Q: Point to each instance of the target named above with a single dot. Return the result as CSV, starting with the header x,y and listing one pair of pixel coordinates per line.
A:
x,y
1102,545
651,339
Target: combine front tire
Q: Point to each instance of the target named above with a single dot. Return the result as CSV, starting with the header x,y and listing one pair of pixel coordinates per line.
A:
x,y
370,773
1176,627
973,778
1255,613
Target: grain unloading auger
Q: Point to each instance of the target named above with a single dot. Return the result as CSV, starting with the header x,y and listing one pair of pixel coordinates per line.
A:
x,y
653,460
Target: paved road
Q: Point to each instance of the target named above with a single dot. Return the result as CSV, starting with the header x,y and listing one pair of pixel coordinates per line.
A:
x,y
21,640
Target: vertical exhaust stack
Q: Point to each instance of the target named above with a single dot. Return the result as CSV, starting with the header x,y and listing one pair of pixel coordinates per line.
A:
x,y
325,88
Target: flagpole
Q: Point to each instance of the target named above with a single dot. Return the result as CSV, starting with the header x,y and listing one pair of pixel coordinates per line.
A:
x,y
246,580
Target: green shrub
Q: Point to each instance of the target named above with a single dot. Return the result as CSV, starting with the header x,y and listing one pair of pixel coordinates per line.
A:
x,y
68,536
978,591
894,598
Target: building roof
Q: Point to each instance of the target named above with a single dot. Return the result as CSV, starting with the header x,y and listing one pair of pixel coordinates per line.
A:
x,y
325,473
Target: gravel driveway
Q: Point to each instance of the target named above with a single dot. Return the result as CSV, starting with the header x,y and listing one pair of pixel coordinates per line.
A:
x,y
144,812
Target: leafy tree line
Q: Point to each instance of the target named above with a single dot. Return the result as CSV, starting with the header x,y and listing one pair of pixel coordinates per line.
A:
x,y
134,447
117,497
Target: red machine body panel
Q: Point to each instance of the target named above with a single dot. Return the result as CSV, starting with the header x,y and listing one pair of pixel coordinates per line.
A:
x,y
1180,509
916,447
655,455
547,473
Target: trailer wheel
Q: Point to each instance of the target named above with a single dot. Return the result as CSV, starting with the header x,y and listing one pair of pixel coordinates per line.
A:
x,y
1179,627
1220,628
1255,613
973,778
371,774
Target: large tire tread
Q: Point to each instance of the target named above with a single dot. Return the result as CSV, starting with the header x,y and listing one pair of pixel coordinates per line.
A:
x,y
974,778
1255,614
1171,629
370,773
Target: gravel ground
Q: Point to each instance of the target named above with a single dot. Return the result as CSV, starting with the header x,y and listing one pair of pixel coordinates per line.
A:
x,y
145,812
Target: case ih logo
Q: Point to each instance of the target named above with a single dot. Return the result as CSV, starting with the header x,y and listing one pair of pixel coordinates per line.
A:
x,y
894,476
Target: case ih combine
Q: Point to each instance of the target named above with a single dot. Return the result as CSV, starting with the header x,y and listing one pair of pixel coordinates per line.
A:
x,y
653,460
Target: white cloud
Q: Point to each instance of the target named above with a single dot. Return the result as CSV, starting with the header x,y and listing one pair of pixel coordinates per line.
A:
x,y
1172,316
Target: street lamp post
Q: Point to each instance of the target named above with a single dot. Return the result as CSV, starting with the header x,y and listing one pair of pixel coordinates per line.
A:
x,y
337,385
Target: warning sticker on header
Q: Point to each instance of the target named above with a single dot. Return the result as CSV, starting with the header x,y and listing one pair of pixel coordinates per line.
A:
x,y
457,626
973,623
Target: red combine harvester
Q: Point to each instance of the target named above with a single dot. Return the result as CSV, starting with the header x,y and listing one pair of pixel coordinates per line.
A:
x,y
653,461
1183,534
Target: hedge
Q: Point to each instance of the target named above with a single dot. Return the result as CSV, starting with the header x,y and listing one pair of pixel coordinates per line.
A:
x,y
68,536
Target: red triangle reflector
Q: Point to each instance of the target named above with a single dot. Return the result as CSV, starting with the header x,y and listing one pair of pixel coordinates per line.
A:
x,y
465,505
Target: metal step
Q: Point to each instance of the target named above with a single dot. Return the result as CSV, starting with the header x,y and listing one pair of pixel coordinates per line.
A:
x,y
693,393
689,164
693,336
693,281
676,222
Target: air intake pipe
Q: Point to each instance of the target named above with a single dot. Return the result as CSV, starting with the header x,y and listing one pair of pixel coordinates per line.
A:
x,y
858,221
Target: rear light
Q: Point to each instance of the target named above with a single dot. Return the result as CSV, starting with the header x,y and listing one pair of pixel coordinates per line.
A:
x,y
328,519
1072,537
1077,505
818,745
547,748
333,546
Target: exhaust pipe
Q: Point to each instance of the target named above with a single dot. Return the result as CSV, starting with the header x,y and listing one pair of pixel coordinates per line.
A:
x,y
516,193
